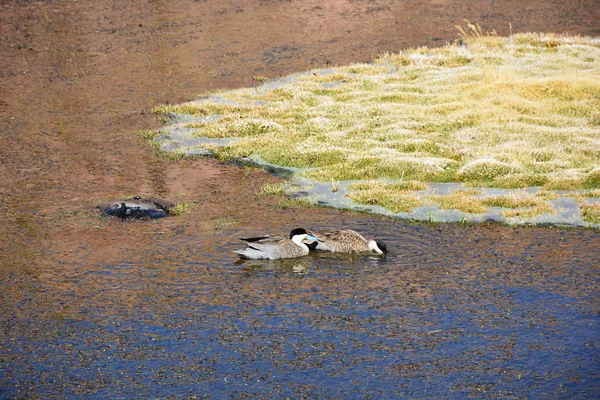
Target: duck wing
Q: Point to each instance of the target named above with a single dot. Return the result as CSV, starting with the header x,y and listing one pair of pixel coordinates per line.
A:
x,y
272,249
263,239
340,235
342,241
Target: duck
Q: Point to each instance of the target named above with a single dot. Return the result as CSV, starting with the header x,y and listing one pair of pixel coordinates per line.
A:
x,y
346,241
268,247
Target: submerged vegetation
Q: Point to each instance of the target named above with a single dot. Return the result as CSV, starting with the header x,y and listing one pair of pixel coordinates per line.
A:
x,y
487,111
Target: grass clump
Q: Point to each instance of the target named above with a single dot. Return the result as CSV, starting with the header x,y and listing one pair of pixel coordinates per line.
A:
x,y
512,201
542,208
223,223
485,169
395,197
590,212
459,200
528,206
592,179
518,181
547,195
180,209
289,203
592,193
396,186
272,189
202,108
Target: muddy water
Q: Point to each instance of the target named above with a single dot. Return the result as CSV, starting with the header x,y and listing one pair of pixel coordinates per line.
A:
x,y
92,306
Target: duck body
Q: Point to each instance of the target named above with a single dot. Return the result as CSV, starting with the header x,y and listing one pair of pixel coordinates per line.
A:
x,y
347,241
268,247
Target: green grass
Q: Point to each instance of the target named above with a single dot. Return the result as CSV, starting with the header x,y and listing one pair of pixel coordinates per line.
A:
x,y
460,200
289,203
395,197
528,206
180,209
397,186
512,201
506,112
590,212
273,189
221,224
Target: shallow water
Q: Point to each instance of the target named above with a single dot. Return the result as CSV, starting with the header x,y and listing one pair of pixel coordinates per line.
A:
x,y
434,318
95,307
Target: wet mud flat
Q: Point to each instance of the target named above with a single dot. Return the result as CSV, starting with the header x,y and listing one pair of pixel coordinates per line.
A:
x,y
95,307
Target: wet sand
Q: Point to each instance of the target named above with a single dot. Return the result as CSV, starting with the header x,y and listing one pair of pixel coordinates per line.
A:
x,y
75,79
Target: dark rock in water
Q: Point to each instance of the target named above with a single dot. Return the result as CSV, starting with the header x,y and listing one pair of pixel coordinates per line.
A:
x,y
138,208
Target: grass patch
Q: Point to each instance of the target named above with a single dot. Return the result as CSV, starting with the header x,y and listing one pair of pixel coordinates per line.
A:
x,y
542,208
489,111
592,179
288,203
592,193
203,107
147,135
505,112
389,196
527,206
563,184
547,195
459,200
590,212
512,201
396,186
180,209
223,223
272,189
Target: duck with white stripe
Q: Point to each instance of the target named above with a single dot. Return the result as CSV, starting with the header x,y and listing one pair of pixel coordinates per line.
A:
x,y
277,247
347,241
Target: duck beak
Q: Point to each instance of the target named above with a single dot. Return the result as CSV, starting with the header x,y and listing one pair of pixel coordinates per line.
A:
x,y
310,240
